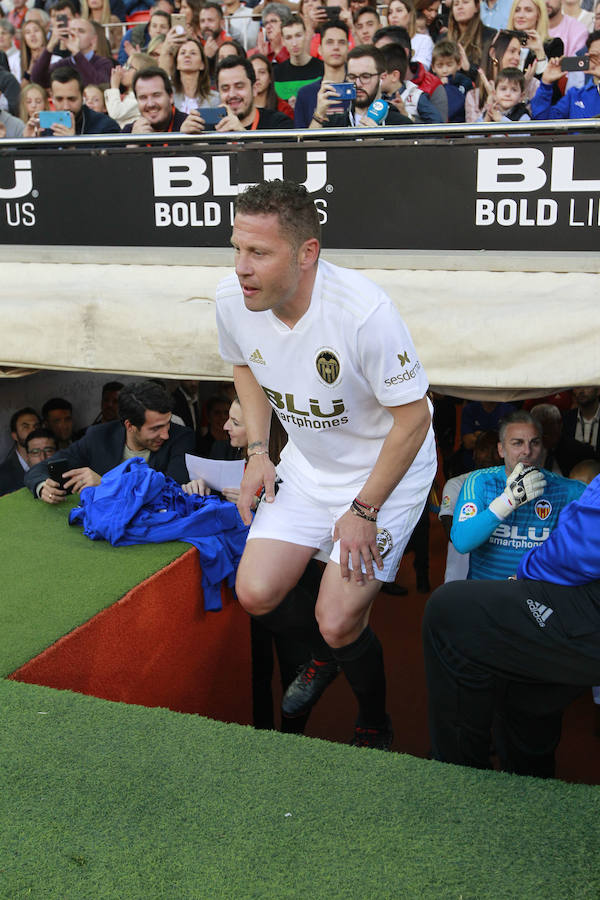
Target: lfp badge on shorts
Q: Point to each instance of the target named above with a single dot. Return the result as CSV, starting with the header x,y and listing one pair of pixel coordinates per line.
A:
x,y
328,365
543,508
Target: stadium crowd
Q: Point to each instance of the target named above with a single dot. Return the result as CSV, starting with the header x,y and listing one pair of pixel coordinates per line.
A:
x,y
195,65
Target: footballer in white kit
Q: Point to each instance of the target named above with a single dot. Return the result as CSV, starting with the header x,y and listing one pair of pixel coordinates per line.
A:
x,y
329,380
326,350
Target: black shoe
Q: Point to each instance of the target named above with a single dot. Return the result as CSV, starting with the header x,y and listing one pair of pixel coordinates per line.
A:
x,y
393,589
307,687
375,738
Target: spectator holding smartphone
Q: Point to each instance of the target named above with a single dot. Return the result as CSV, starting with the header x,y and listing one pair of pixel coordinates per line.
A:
x,y
158,114
81,44
578,102
66,87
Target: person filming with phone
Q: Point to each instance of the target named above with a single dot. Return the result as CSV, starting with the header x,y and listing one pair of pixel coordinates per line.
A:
x,y
578,102
143,429
70,116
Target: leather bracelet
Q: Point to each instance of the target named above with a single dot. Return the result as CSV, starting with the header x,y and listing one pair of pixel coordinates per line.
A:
x,y
357,511
368,508
319,119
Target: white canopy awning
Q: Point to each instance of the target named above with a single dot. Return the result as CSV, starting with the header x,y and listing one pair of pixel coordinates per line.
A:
x,y
479,332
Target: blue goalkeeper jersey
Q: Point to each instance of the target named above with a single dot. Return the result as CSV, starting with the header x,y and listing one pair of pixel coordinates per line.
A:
x,y
496,546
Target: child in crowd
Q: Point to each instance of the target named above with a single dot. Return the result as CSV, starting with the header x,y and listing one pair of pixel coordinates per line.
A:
x,y
119,98
506,99
93,97
446,64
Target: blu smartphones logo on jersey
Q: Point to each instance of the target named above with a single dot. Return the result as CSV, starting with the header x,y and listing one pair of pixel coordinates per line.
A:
x,y
527,171
197,176
290,409
21,185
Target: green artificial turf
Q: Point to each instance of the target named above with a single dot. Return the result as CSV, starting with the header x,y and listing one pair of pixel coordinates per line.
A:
x,y
54,579
104,800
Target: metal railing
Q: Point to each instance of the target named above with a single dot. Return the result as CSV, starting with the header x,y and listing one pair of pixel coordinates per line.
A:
x,y
389,132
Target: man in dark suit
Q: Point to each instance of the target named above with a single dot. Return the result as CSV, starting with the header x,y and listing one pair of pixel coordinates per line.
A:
x,y
144,430
13,468
583,423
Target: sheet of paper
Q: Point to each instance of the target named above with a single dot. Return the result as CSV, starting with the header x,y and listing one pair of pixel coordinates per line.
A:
x,y
217,473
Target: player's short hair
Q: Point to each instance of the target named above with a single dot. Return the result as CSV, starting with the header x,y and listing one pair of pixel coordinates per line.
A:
x,y
445,50
518,417
26,411
290,202
512,74
136,398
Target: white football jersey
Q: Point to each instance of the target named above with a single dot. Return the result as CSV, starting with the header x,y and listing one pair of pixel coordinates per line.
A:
x,y
330,377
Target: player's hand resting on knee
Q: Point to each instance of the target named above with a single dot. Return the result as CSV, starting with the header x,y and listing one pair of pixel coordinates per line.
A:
x,y
260,472
358,540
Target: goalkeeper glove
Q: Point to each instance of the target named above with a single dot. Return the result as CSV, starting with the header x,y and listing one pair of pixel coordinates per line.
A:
x,y
524,483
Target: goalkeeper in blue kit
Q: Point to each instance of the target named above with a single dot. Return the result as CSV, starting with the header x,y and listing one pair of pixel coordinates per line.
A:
x,y
517,651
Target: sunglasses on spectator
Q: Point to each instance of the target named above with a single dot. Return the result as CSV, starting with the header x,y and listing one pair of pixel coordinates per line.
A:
x,y
364,77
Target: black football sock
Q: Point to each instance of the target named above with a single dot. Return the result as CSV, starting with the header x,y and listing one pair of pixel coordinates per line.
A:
x,y
362,663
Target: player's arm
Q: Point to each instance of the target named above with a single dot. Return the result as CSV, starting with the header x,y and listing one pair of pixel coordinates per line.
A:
x,y
403,442
357,535
260,471
475,523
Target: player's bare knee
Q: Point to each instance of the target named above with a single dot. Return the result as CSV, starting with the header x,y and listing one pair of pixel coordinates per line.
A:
x,y
256,596
338,631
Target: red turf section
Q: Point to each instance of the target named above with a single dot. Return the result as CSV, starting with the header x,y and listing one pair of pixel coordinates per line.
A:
x,y
157,647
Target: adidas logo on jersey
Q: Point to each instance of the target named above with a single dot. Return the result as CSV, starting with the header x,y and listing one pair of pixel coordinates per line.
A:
x,y
539,612
257,358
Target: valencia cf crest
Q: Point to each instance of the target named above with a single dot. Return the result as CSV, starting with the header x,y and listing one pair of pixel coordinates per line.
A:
x,y
543,508
328,366
384,541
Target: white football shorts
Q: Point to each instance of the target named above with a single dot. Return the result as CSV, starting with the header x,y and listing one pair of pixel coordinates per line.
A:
x,y
297,519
